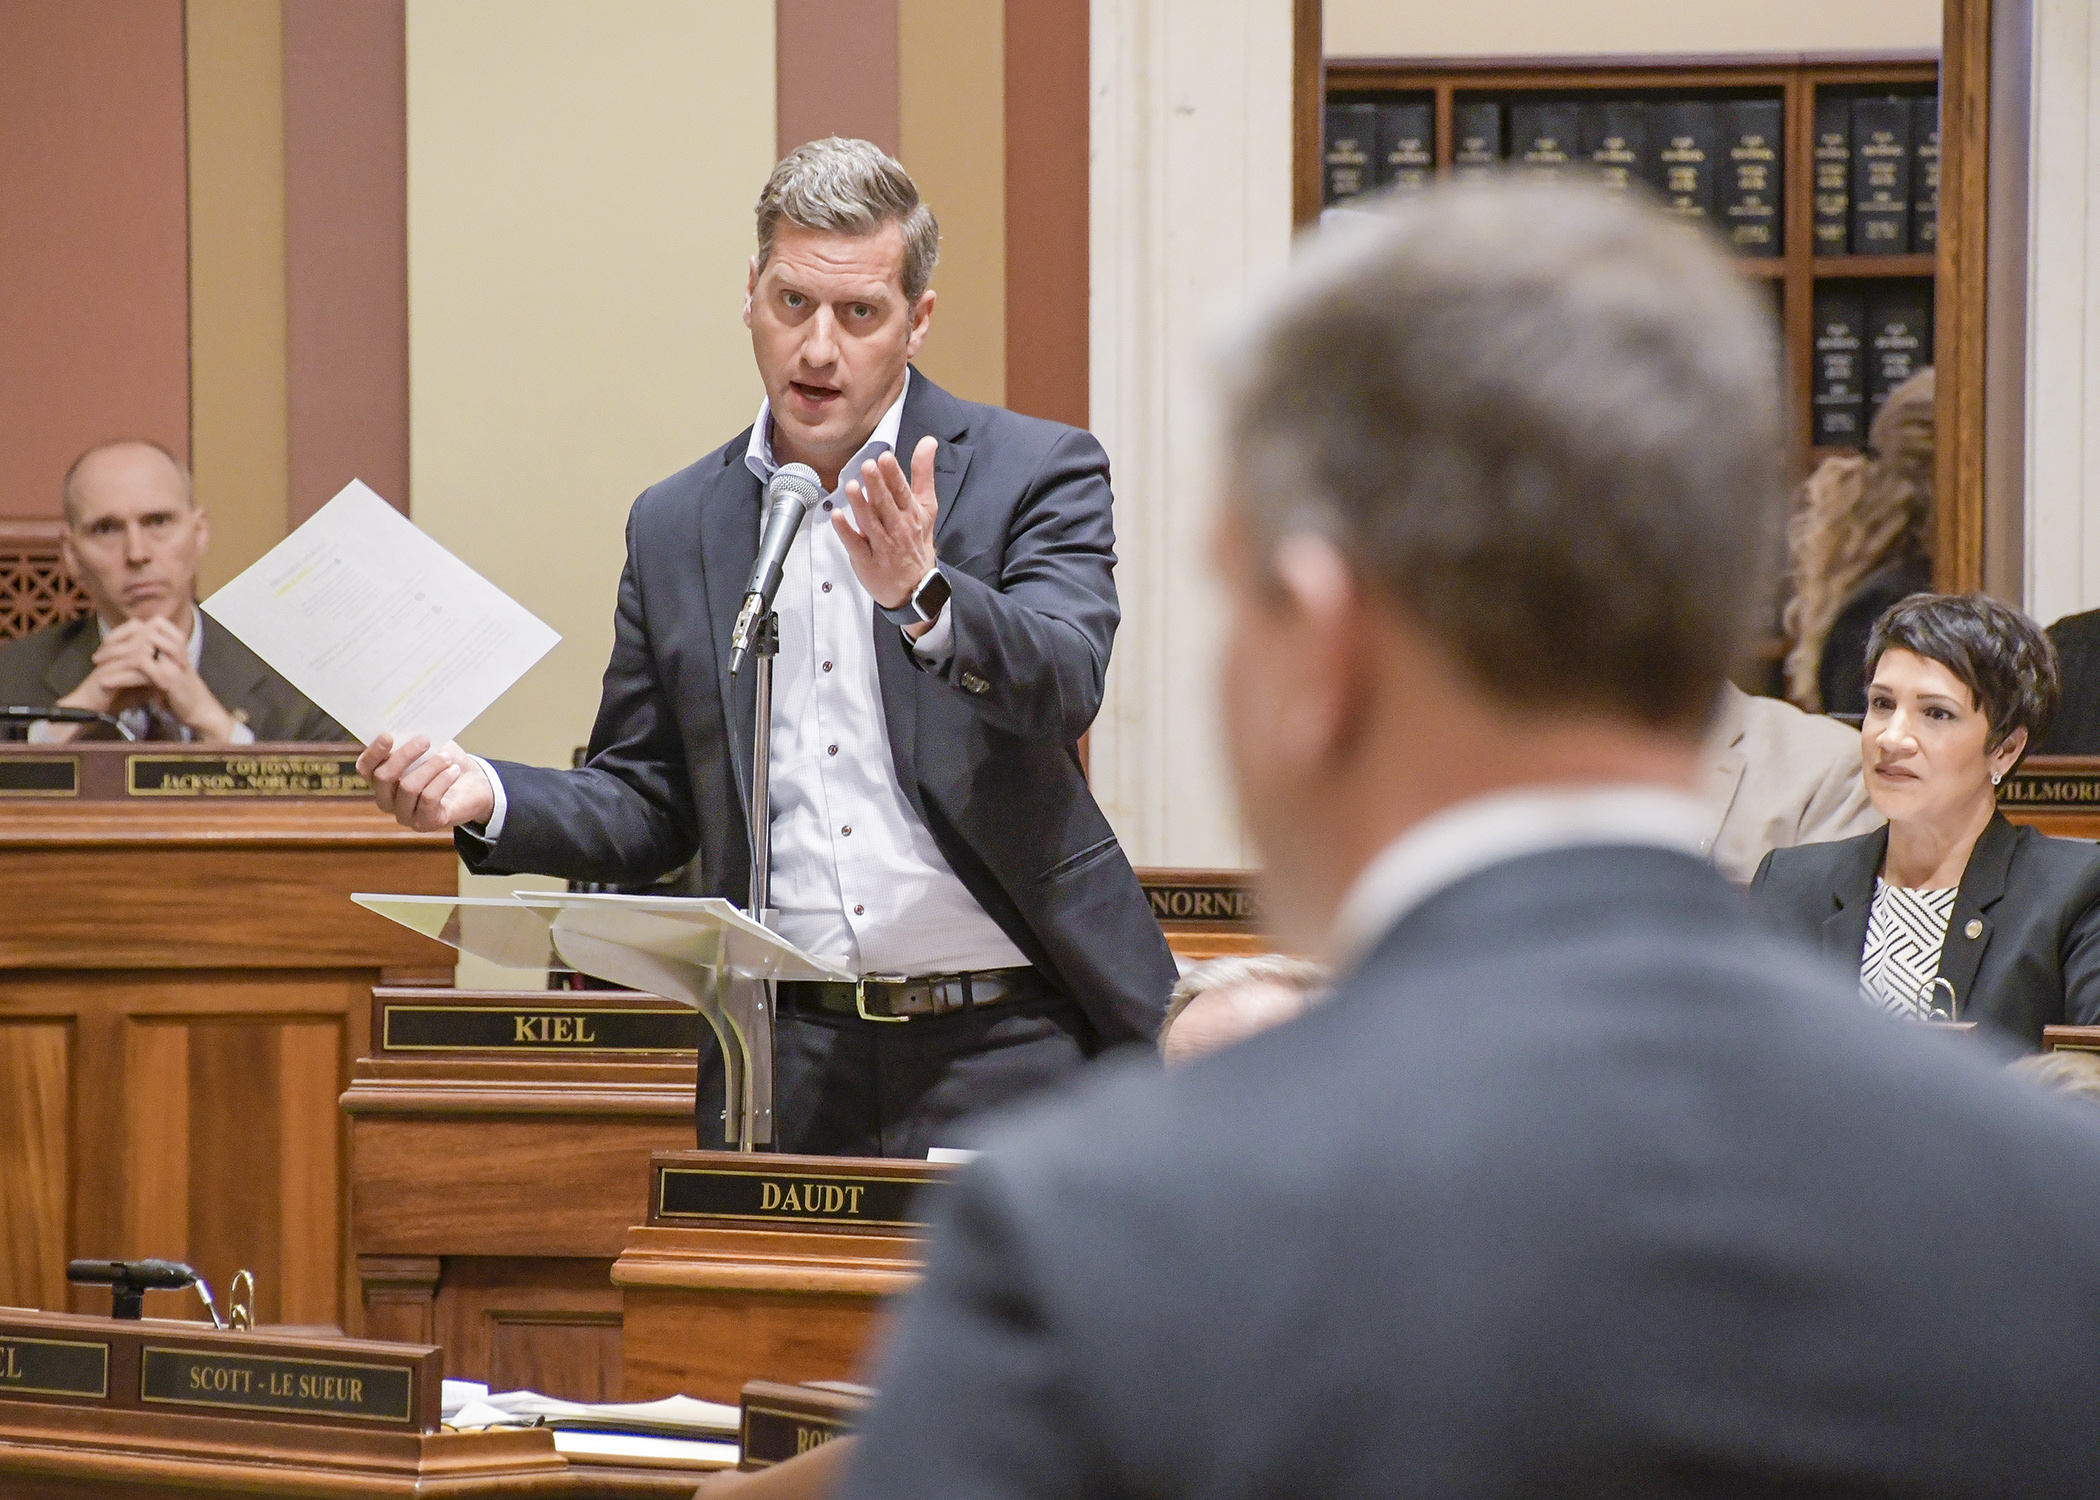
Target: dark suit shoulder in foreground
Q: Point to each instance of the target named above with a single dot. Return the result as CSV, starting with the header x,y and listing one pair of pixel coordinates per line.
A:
x,y
1581,1185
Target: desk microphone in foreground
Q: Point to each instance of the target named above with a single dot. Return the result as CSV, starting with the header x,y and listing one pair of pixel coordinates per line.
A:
x,y
15,713
788,498
129,1280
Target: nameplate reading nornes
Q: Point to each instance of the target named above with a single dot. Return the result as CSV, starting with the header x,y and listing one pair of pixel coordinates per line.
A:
x,y
39,776
326,774
532,1028
53,1367
792,1198
1218,900
261,1382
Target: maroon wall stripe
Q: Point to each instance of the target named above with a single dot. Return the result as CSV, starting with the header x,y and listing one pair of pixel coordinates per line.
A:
x,y
1046,208
94,237
835,63
346,248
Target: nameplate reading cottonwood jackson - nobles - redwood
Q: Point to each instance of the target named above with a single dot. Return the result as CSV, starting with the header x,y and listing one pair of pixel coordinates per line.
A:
x,y
324,774
39,776
221,1379
53,1367
533,1028
2040,789
733,1193
1211,898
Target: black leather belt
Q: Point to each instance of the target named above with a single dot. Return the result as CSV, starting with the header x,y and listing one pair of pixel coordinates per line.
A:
x,y
887,997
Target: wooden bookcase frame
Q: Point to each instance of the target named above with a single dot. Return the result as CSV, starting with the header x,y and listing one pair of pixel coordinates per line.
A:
x,y
1795,78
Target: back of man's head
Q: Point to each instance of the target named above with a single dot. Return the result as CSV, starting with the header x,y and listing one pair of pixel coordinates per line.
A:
x,y
1542,420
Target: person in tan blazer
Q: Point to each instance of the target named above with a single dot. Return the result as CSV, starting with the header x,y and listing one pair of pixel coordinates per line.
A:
x,y
1774,777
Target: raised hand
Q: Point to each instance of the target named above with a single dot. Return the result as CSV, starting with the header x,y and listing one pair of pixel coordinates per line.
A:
x,y
893,549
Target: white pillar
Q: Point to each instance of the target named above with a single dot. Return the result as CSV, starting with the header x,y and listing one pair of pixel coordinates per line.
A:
x,y
2062,488
1190,209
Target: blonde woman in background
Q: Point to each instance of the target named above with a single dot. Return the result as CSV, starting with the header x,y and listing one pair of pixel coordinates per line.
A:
x,y
1860,540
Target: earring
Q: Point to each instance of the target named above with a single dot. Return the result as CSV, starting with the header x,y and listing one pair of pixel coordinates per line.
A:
x,y
1995,775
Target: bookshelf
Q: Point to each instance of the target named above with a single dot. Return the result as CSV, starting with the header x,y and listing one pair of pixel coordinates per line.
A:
x,y
1797,271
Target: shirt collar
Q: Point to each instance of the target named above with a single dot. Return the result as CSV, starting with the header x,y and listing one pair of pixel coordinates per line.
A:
x,y
1463,840
758,453
196,636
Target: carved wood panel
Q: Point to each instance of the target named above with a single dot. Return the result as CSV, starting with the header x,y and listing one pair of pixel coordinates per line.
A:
x,y
34,588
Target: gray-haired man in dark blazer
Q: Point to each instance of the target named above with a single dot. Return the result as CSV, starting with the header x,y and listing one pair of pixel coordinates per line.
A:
x,y
1578,1183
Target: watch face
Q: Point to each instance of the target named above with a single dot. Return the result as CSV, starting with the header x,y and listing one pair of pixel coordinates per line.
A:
x,y
932,594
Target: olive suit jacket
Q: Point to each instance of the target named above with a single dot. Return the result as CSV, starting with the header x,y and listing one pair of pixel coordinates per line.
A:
x,y
2023,945
41,668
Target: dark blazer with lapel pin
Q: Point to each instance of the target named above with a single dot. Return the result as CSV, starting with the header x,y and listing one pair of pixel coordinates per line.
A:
x,y
41,668
2031,902
985,748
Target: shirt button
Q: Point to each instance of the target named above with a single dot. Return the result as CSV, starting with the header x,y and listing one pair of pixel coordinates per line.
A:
x,y
832,750
827,505
860,911
846,832
827,588
827,666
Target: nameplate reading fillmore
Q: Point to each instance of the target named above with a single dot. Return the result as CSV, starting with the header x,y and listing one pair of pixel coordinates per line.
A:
x,y
253,1382
220,775
39,776
483,1028
790,1198
53,1367
2043,790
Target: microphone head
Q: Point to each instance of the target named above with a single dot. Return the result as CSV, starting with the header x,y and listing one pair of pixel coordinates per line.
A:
x,y
797,481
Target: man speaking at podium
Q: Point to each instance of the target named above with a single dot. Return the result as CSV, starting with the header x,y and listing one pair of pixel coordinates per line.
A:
x,y
944,633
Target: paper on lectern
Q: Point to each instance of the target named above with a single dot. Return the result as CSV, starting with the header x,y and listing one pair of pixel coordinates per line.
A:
x,y
378,624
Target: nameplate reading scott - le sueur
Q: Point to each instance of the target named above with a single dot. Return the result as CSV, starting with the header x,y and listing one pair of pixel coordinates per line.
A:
x,y
53,1367
325,774
222,1380
39,776
792,1198
532,1028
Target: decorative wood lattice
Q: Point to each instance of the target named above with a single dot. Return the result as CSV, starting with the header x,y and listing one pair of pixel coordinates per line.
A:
x,y
34,589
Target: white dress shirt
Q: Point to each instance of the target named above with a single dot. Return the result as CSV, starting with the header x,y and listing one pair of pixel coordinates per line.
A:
x,y
856,877
1463,840
139,718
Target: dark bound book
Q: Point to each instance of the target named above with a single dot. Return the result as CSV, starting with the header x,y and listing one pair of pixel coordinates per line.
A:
x,y
1352,144
1925,175
1899,340
1615,141
1880,176
1838,396
1476,137
1832,217
1542,138
1406,145
1748,193
1685,137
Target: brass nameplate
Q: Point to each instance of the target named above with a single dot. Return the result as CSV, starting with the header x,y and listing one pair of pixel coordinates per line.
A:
x,y
1232,904
224,775
53,1367
792,1198
771,1436
255,1382
482,1028
39,776
2040,791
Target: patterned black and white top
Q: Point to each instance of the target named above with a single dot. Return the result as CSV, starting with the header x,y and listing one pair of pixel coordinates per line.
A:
x,y
1905,931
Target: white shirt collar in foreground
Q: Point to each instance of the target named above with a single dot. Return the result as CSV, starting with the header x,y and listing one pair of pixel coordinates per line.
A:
x,y
758,453
1463,840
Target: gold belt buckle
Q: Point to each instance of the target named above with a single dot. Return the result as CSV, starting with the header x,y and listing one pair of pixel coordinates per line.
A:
x,y
860,999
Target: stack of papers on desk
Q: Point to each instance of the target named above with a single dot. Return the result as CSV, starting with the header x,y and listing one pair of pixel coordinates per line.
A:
x,y
677,1430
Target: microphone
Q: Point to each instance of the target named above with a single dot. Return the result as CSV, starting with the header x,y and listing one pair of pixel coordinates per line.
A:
x,y
788,498
17,713
129,1280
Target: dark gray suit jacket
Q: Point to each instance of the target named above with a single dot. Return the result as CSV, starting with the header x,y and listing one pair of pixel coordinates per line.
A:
x,y
1581,1185
2033,900
985,747
41,668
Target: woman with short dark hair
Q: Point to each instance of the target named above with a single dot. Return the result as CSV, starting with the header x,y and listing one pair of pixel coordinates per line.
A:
x,y
1951,912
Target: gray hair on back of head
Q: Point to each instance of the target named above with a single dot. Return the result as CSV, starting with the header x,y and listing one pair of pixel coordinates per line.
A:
x,y
844,186
1544,421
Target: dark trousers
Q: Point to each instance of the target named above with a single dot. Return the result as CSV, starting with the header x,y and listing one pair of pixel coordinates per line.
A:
x,y
847,1087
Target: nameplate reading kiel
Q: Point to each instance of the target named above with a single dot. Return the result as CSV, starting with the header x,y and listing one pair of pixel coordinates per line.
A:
x,y
872,1202
39,776
482,1028
53,1367
305,1387
244,776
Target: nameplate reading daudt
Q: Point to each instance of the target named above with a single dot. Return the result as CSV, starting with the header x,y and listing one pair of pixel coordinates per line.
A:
x,y
39,776
255,1382
789,1198
53,1367
323,775
484,1028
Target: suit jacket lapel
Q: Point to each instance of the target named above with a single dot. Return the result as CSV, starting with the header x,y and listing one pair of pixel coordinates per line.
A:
x,y
729,525
233,675
1982,883
1845,929
69,668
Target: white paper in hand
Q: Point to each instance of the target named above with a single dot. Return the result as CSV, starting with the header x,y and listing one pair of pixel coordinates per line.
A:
x,y
379,625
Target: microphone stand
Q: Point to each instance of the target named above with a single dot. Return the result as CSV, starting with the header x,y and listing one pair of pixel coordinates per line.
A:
x,y
756,1125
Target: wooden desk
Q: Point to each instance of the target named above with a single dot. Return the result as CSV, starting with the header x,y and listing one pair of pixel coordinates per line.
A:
x,y
183,982
493,1185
